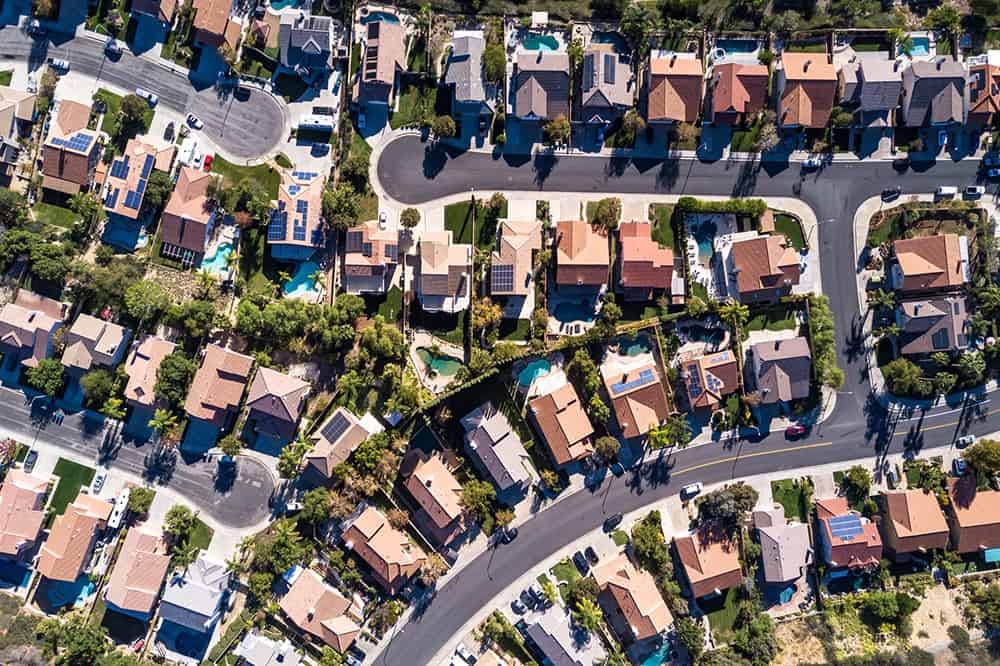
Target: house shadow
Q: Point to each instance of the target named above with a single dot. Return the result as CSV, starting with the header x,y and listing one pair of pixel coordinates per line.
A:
x,y
148,33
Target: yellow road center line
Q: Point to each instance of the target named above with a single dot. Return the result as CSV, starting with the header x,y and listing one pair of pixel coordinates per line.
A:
x,y
751,455
943,425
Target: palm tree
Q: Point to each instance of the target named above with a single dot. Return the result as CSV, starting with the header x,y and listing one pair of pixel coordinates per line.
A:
x,y
235,565
425,18
318,278
284,276
162,421
587,615
206,282
185,554
736,313
113,408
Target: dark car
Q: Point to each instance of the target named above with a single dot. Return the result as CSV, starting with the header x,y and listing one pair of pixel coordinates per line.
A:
x,y
581,563
30,460
612,521
509,534
527,599
518,607
591,555
617,469
901,163
890,193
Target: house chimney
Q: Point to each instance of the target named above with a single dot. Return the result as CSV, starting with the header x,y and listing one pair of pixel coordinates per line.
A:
x,y
673,59
777,345
311,614
805,65
429,481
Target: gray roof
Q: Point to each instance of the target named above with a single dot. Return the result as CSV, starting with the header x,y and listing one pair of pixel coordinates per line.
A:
x,y
259,650
541,82
785,550
465,69
880,83
192,598
305,40
562,643
607,79
934,93
490,439
784,369
932,325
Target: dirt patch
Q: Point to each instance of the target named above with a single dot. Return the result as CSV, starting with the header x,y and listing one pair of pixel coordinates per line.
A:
x,y
937,612
799,645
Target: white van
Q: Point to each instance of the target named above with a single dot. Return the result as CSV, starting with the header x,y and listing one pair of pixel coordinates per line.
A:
x,y
945,192
148,96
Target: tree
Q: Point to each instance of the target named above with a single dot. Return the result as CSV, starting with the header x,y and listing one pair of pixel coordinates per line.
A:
x,y
857,484
650,546
485,313
13,209
736,313
727,506
767,138
47,377
162,421
971,366
494,62
478,498
598,410
691,635
113,408
158,189
131,114
145,300
607,448
903,377
50,262
504,517
173,377
608,213
582,371
178,523
755,639
587,615
341,206
231,446
79,642
290,458
944,382
432,569
575,53
316,505
97,385
675,431
696,307
987,601
227,54
638,21
330,657
260,584
557,131
984,456
409,218
944,17
397,518
140,499
550,479
443,127
196,317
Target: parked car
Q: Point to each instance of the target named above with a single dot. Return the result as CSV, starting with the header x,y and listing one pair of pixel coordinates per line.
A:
x,y
964,441
535,590
528,600
612,521
508,534
892,476
208,163
945,192
795,430
959,467
691,490
30,460
581,563
98,483
59,63
148,96
168,133
465,653
974,191
890,193
112,47
518,607
943,138
811,163
591,555
194,121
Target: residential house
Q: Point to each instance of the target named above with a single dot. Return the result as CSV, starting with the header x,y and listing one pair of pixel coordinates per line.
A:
x,y
94,342
805,87
217,387
645,268
161,10
470,93
387,551
320,610
27,328
582,255
984,90
760,269
429,480
68,548
874,84
301,192
139,573
214,24
335,440
495,448
512,267
541,86
783,369
445,280
370,259
637,396
934,93
22,504
188,219
256,649
125,186
709,378
563,425
710,563
607,89
17,113
785,548
383,58
845,537
275,403
932,325
739,92
305,43
912,523
973,518
141,367
562,642
71,150
631,600
930,263
674,88
196,597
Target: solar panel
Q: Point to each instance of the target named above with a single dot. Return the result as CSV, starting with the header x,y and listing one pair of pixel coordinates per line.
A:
x,y
390,251
120,168
588,72
609,68
502,278
111,200
133,200
58,141
335,427
147,166
645,377
293,190
354,241
80,141
141,187
304,175
276,230
299,229
302,206
845,527
694,380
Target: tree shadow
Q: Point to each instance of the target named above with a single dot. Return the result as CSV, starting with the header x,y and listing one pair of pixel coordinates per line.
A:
x,y
854,341
225,476
545,161
616,166
878,423
434,161
746,180
160,466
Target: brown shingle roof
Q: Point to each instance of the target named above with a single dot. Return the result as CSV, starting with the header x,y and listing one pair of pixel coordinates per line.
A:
x,y
933,324
445,266
188,212
563,424
765,262
516,243
348,433
784,369
434,487
709,378
22,498
277,394
541,85
848,548
914,521
141,367
974,515
213,25
320,610
92,341
218,385
139,571
675,88
930,262
387,551
29,324
810,89
67,168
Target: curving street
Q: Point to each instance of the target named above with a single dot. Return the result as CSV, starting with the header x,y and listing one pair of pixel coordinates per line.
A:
x,y
245,128
859,426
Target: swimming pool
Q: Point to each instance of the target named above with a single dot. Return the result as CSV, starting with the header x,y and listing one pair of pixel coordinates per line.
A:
x,y
610,37
633,346
60,593
445,366
14,575
698,333
736,45
533,370
704,236
540,43
920,46
660,655
303,283
278,5
567,312
218,261
379,16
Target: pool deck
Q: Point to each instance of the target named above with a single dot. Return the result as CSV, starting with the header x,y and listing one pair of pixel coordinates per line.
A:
x,y
422,339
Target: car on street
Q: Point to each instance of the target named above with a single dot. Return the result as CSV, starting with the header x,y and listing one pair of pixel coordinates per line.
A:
x,y
508,534
95,487
691,490
993,173
581,563
945,192
194,121
30,460
964,441
612,521
992,159
168,133
112,47
890,193
148,96
959,467
208,163
518,607
811,163
795,430
465,653
591,555
973,191
943,138
59,63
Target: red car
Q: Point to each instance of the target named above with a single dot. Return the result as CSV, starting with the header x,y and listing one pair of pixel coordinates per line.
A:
x,y
208,163
795,430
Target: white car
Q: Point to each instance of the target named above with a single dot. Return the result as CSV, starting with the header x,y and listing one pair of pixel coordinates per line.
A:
x,y
812,163
194,121
59,63
964,441
148,96
691,490
465,653
95,487
974,191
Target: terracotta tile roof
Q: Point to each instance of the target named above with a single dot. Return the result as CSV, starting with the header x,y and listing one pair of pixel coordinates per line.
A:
x,y
161,10
433,486
369,250
336,439
563,424
582,255
765,262
709,378
22,498
810,89
296,216
141,366
541,85
29,324
636,595
218,384
984,91
387,551
16,104
914,518
213,25
126,181
709,563
445,266
277,394
516,243
675,88
975,515
738,89
930,262
139,571
852,539
784,369
316,608
644,264
64,553
637,397
71,151
188,212
93,341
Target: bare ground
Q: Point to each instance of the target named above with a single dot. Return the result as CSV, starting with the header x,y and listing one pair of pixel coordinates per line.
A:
x,y
798,645
937,612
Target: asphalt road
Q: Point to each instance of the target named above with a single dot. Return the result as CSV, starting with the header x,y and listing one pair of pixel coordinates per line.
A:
x,y
245,128
858,428
236,501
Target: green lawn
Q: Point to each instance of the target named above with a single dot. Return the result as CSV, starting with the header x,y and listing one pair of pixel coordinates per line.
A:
x,y
5,77
445,326
282,160
458,220
838,477
773,319
416,102
791,228
890,229
253,250
721,613
267,176
620,538
793,47
201,534
663,231
113,102
56,216
789,494
72,477
699,290
515,329
745,140
393,304
565,573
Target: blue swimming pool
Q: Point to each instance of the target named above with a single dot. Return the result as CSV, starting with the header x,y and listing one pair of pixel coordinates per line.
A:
x,y
278,5
736,45
380,16
61,594
14,575
533,370
660,655
540,43
920,46
633,346
218,261
303,282
568,312
699,333
704,235
446,366
610,37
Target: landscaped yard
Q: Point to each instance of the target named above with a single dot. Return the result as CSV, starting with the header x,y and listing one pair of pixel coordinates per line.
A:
x,y
201,534
721,613
458,219
112,103
267,176
788,493
56,216
392,305
779,318
445,326
515,329
921,220
416,103
620,538
5,77
253,256
791,228
745,140
663,231
565,573
72,477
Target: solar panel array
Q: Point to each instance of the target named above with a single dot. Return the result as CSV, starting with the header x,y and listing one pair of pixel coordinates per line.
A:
x,y
694,380
147,166
133,200
293,190
79,141
645,377
354,241
304,175
845,528
119,169
111,200
335,427
502,278
714,383
277,229
588,72
299,223
609,68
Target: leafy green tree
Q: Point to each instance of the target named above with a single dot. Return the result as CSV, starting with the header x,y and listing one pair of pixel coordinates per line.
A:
x,y
944,382
971,368
330,657
857,484
50,262
598,410
409,218
728,506
231,446
146,300
607,448
179,522
282,547
696,307
260,584
158,189
494,63
140,499
638,21
903,377
582,371
316,505
196,317
675,431
478,498
443,126
48,377
823,339
131,117
944,17
756,641
290,458
984,456
587,615
97,386
608,213
691,635
650,546
80,643
174,376
557,131
163,420
13,208
341,206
